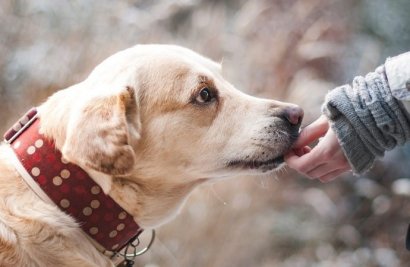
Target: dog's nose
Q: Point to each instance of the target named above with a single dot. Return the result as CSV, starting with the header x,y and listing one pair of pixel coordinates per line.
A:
x,y
293,114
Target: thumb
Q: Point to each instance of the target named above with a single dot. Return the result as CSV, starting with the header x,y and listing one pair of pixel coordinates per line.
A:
x,y
312,132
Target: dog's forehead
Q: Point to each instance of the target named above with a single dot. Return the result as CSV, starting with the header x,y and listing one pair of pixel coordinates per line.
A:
x,y
176,66
184,55
166,60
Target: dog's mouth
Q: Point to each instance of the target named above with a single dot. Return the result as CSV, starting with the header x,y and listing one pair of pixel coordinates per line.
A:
x,y
260,162
266,165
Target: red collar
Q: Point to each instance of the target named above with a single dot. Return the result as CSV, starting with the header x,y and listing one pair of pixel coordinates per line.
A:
x,y
70,187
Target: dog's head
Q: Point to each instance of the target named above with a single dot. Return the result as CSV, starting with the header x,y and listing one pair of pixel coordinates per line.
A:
x,y
163,117
165,110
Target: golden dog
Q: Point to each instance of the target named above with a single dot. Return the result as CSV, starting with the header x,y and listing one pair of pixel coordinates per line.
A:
x,y
149,125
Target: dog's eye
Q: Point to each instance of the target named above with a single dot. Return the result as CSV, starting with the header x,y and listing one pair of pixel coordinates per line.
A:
x,y
205,96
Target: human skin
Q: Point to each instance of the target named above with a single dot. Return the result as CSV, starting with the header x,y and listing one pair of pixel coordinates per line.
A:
x,y
326,160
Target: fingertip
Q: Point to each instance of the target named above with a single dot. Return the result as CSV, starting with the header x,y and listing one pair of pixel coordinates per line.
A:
x,y
291,158
298,151
306,149
301,151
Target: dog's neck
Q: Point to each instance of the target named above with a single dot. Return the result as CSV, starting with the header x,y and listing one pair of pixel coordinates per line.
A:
x,y
152,201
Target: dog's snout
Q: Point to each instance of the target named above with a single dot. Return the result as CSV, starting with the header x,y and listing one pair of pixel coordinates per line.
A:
x,y
293,114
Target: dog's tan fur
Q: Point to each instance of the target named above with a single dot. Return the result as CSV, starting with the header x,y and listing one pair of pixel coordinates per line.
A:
x,y
136,127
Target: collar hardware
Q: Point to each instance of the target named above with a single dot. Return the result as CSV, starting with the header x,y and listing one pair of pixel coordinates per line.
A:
x,y
20,126
130,252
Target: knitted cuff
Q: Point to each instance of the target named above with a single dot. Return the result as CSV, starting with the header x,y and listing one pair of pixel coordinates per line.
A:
x,y
356,151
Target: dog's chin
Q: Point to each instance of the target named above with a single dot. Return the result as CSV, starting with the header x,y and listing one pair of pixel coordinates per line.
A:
x,y
258,165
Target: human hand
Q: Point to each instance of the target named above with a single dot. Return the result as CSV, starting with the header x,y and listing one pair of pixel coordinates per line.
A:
x,y
326,160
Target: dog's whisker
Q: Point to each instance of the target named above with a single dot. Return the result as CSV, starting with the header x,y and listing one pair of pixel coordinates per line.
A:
x,y
218,197
276,178
263,182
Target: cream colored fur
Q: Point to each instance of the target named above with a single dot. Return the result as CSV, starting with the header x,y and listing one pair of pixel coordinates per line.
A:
x,y
138,127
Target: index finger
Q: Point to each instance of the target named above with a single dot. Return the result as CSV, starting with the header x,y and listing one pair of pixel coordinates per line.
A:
x,y
312,132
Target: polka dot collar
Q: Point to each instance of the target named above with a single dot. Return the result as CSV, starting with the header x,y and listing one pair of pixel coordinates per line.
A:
x,y
70,187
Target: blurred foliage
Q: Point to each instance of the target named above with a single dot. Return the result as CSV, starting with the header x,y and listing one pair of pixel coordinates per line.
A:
x,y
292,50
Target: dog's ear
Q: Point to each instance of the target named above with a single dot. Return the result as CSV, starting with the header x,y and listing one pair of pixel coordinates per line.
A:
x,y
102,135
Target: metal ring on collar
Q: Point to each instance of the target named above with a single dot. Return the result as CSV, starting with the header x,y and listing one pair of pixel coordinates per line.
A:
x,y
136,253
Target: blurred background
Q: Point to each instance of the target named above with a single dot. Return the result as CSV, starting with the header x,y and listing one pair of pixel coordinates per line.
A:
x,y
291,50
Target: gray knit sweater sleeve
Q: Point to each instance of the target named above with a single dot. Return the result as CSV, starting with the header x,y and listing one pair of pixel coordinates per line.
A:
x,y
367,119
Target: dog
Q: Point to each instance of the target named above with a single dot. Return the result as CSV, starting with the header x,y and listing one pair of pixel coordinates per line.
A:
x,y
148,125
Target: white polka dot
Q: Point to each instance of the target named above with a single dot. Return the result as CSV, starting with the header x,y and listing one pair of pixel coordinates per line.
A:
x,y
120,227
95,189
65,174
31,150
39,143
122,215
35,171
64,161
57,180
24,120
17,127
114,247
113,234
64,203
93,230
17,144
87,211
95,204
